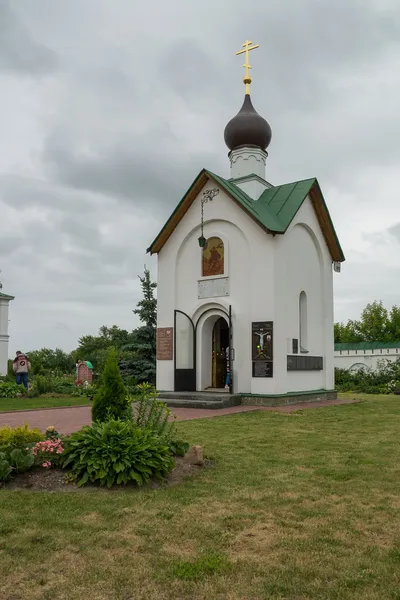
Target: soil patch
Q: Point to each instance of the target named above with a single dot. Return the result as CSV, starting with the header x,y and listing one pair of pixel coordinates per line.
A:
x,y
54,480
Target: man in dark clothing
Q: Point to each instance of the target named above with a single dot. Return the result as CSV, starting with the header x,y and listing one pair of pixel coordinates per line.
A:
x,y
21,366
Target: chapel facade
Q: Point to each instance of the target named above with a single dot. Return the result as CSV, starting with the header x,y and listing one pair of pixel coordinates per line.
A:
x,y
245,278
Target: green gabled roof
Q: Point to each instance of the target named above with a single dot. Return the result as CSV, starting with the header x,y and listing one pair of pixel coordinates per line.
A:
x,y
274,210
6,296
366,346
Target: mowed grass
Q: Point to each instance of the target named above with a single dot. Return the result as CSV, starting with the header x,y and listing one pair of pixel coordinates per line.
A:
x,y
7,404
296,506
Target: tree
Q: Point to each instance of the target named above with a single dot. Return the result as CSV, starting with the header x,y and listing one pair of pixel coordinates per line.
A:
x,y
51,361
347,333
143,344
111,401
95,348
376,324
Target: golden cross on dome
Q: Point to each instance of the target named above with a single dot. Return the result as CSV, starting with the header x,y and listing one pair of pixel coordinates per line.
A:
x,y
247,46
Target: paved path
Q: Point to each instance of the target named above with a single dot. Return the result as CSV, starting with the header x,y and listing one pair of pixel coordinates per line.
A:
x,y
67,420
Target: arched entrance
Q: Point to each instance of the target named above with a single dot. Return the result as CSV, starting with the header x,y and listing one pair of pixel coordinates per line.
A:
x,y
200,355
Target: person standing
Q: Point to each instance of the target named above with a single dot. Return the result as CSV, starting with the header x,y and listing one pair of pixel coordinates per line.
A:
x,y
21,366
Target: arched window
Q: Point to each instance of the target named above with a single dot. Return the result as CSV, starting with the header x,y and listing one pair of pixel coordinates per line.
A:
x,y
303,322
213,257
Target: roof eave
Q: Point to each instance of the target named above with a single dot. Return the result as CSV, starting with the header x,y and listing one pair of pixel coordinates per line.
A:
x,y
176,215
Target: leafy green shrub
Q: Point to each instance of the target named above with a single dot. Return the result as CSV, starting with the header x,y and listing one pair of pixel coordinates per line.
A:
x,y
82,390
178,447
11,390
5,467
50,384
18,437
116,452
21,459
383,380
111,400
154,415
151,413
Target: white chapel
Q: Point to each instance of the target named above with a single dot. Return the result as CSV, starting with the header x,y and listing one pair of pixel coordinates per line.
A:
x,y
245,279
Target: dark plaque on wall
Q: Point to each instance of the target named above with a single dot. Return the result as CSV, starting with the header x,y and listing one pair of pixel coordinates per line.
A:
x,y
262,348
165,343
295,346
305,363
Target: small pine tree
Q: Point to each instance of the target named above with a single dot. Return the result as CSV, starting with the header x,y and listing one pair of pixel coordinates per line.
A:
x,y
111,401
143,344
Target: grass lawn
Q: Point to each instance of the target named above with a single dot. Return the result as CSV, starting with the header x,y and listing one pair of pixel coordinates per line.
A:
x,y
299,506
41,402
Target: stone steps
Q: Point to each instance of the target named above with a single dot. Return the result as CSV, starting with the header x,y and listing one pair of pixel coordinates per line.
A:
x,y
209,400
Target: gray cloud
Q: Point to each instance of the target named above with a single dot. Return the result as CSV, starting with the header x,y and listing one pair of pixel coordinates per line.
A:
x,y
19,51
95,157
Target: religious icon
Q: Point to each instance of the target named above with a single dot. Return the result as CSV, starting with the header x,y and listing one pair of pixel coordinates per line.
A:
x,y
262,341
213,257
260,347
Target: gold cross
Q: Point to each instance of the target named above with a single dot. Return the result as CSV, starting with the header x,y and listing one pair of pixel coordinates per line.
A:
x,y
247,46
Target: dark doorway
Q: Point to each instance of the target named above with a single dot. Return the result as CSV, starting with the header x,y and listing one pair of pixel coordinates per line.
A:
x,y
220,342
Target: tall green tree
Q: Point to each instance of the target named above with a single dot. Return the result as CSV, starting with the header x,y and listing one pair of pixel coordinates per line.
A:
x,y
95,347
51,361
376,324
143,343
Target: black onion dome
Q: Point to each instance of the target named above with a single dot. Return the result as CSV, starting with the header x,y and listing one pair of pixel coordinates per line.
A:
x,y
248,128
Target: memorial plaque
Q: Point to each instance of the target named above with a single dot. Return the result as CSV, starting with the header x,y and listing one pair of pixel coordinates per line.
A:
x,y
165,343
295,346
305,363
213,288
262,348
262,368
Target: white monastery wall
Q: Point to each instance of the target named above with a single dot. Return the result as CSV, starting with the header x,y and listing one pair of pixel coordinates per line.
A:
x,y
353,359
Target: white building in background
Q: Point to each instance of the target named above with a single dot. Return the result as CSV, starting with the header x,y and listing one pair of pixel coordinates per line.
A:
x,y
361,355
4,337
247,265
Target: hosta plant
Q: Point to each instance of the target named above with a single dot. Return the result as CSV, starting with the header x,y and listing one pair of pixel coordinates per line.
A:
x,y
5,467
116,452
21,460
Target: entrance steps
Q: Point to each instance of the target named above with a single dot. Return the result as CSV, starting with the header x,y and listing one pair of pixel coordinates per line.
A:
x,y
210,400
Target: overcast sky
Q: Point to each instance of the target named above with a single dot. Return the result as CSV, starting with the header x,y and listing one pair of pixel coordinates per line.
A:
x,y
109,109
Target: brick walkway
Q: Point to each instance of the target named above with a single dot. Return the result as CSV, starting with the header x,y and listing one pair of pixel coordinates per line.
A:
x,y
67,420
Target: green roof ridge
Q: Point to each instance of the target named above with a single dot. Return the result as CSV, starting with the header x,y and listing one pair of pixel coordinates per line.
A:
x,y
365,345
275,208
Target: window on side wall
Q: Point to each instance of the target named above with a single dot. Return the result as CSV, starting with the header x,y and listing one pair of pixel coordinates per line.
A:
x,y
303,324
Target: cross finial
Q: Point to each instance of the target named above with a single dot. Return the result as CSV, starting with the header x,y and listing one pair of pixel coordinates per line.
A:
x,y
247,46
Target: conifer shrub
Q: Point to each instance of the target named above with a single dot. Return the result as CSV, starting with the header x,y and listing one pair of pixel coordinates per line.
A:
x,y
111,400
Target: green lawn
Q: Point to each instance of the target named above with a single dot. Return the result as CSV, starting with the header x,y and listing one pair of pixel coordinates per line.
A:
x,y
41,402
300,506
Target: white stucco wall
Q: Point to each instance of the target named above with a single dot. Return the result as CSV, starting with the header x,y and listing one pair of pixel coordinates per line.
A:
x,y
4,337
348,359
303,263
266,275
